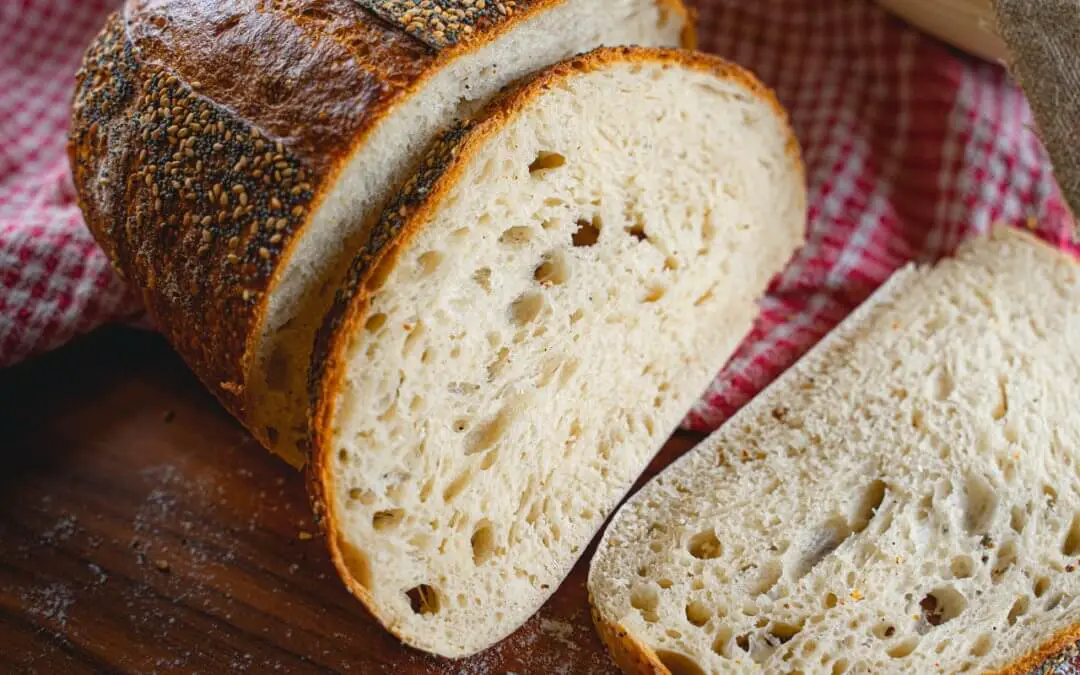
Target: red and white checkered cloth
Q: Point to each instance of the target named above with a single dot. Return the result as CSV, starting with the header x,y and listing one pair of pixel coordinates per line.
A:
x,y
909,148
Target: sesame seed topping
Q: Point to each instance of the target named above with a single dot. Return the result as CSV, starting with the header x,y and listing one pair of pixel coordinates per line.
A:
x,y
264,253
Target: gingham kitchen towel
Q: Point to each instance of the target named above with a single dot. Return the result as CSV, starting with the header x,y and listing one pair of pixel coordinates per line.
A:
x,y
909,148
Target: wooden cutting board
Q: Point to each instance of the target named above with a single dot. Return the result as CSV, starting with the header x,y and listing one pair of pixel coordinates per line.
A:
x,y
142,530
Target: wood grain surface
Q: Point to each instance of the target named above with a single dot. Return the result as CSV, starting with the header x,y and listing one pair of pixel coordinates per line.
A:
x,y
142,530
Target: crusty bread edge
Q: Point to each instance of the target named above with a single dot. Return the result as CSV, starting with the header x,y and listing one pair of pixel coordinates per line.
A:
x,y
630,654
421,196
636,658
218,332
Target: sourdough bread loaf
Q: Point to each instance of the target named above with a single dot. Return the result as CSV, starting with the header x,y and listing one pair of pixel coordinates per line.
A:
x,y
231,156
905,499
530,321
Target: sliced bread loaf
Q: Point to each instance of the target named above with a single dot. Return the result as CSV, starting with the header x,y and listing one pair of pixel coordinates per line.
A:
x,y
232,156
530,321
905,499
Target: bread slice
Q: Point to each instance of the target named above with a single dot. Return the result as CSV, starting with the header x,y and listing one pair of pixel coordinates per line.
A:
x,y
532,319
905,499
231,157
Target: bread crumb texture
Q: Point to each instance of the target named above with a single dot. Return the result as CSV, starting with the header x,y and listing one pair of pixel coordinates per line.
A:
x,y
536,314
915,508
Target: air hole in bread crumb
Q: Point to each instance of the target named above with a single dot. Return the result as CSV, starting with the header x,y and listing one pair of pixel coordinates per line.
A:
x,y
482,277
460,425
483,543
962,566
943,384
884,630
697,613
982,645
721,642
840,667
1019,608
1017,519
705,545
566,372
546,160
1050,494
782,633
1002,407
496,366
665,583
743,642
375,322
645,598
942,605
383,520
365,497
705,297
1041,585
655,293
426,356
1006,556
463,232
423,599
830,600
916,419
872,496
457,485
489,433
903,649
526,308
428,262
637,231
1071,545
516,236
767,578
678,664
552,271
708,228
587,234
980,503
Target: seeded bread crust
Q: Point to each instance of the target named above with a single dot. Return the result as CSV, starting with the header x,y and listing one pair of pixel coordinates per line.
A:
x,y
199,154
417,200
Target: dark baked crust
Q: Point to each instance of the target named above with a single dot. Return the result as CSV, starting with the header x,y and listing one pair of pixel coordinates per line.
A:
x,y
420,197
205,134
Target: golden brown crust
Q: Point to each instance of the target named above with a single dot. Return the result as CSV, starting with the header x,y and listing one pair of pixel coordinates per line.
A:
x,y
410,210
1047,657
205,134
629,654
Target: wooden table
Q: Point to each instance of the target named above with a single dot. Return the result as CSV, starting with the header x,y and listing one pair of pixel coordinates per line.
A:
x,y
142,530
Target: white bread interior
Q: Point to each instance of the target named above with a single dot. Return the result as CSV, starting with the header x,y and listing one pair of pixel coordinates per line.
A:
x,y
905,499
595,264
307,281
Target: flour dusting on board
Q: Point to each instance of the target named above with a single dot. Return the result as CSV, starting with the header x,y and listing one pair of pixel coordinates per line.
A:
x,y
50,603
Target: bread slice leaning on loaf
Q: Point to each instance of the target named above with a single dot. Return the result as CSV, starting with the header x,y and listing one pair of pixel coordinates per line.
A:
x,y
529,323
231,157
904,500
